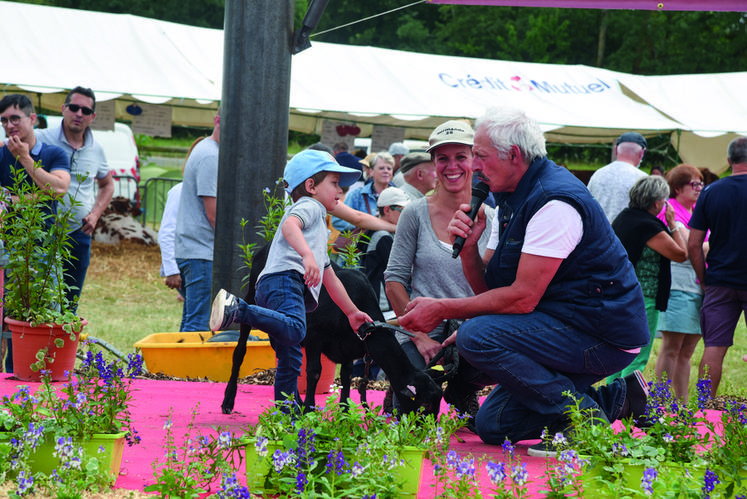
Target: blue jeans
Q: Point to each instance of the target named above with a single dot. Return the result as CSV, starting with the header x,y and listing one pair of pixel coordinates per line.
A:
x,y
534,358
197,279
281,313
77,268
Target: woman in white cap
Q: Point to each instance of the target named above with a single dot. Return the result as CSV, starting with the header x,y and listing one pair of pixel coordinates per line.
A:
x,y
421,254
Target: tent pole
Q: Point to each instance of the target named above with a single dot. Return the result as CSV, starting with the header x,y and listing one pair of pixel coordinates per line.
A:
x,y
254,124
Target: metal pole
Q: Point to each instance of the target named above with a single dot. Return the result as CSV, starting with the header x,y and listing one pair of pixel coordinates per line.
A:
x,y
254,124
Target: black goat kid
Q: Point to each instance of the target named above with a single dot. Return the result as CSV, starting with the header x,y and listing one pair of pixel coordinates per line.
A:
x,y
328,331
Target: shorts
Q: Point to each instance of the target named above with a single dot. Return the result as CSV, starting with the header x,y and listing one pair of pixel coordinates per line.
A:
x,y
720,313
683,313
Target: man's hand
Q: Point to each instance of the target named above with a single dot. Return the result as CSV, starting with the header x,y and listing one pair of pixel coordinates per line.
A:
x,y
174,281
462,225
18,148
422,314
89,223
427,346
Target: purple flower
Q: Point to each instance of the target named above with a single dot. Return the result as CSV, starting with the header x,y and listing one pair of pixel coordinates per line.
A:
x,y
648,479
704,392
519,474
224,440
465,468
710,481
301,481
231,488
496,472
508,448
24,483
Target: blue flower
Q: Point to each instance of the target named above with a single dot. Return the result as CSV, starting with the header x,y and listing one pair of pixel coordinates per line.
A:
x,y
301,481
261,446
710,481
519,474
24,483
508,448
224,440
648,479
496,472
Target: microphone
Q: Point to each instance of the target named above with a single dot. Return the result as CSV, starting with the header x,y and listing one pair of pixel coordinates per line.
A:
x,y
480,192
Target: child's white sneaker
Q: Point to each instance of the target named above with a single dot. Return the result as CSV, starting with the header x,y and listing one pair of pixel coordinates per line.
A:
x,y
224,311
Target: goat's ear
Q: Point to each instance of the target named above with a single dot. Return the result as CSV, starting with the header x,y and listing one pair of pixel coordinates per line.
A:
x,y
408,391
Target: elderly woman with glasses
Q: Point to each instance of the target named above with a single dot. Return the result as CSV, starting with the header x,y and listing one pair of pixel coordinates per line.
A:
x,y
680,323
651,245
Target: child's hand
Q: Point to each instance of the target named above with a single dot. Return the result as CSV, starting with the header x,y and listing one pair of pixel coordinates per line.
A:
x,y
311,276
357,319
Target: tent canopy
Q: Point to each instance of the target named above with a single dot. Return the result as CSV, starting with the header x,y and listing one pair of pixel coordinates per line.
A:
x,y
128,58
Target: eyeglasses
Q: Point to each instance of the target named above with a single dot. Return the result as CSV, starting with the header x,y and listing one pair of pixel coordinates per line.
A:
x,y
13,120
74,108
696,185
396,208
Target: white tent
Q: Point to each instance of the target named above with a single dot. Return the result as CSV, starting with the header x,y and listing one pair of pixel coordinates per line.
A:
x,y
130,58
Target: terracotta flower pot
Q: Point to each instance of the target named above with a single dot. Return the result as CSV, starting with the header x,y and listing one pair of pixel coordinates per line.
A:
x,y
27,341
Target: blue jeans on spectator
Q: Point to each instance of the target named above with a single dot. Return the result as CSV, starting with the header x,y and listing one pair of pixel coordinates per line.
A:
x,y
197,279
534,358
76,269
281,313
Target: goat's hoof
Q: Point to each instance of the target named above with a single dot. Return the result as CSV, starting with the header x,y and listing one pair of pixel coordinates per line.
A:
x,y
226,410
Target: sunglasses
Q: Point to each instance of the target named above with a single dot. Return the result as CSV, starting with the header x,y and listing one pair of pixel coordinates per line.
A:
x,y
74,108
13,120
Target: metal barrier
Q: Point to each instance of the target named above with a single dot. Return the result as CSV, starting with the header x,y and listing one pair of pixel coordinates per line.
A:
x,y
153,199
125,186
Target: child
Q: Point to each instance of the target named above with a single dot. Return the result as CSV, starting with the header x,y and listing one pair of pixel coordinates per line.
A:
x,y
297,265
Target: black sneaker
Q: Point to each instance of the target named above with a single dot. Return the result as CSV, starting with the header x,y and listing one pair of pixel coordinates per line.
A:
x,y
224,311
466,404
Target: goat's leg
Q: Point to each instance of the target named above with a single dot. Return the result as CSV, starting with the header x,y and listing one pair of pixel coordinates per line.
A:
x,y
346,378
239,352
313,373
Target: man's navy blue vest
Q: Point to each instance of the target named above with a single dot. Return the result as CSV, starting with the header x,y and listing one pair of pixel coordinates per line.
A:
x,y
595,289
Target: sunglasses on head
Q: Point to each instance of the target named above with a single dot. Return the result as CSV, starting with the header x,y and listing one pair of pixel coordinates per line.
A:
x,y
74,108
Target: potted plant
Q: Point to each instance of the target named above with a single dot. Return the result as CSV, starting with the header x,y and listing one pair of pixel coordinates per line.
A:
x,y
44,328
342,452
679,449
74,435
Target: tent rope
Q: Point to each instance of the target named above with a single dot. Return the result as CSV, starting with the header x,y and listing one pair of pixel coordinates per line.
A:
x,y
367,18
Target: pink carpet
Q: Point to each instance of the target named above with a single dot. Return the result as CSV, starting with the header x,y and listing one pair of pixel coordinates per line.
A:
x,y
154,400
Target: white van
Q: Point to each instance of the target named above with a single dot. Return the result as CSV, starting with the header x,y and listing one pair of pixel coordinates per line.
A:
x,y
121,154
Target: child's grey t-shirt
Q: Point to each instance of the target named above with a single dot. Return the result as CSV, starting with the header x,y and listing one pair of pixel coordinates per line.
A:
x,y
283,257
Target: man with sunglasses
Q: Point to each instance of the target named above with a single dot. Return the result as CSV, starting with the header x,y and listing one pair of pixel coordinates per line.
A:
x,y
23,150
87,165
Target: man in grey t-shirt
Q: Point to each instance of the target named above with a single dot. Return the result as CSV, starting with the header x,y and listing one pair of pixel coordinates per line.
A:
x,y
87,165
611,184
195,231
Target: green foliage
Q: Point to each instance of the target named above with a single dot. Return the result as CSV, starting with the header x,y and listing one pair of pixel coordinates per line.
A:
x,y
337,452
37,243
96,402
186,471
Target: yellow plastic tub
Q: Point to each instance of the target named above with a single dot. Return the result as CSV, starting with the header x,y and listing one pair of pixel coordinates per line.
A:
x,y
190,355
